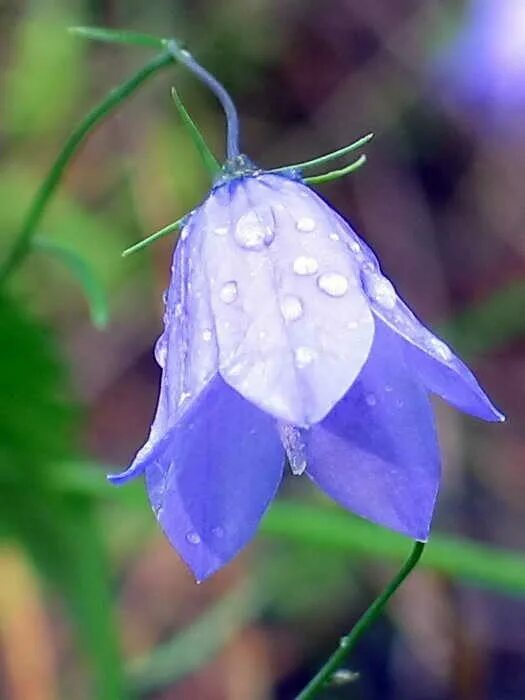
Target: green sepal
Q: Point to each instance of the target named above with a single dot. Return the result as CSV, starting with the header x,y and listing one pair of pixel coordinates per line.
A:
x,y
328,157
154,237
335,174
83,274
210,162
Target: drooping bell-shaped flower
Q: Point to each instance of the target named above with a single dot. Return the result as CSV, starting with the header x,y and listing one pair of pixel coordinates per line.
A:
x,y
282,335
283,338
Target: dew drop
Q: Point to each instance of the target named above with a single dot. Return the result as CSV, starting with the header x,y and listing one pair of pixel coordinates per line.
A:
x,y
218,532
193,538
184,397
370,400
178,310
206,335
305,224
380,290
304,265
439,348
185,233
293,443
354,246
304,356
251,233
291,308
389,388
334,236
161,351
220,230
333,284
228,292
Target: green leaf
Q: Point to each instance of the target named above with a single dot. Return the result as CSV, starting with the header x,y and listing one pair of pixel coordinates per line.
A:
x,y
486,566
57,528
210,162
118,36
83,274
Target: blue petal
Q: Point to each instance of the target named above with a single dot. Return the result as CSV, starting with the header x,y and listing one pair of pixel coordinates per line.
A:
x,y
212,476
293,325
187,349
437,366
440,370
377,451
454,382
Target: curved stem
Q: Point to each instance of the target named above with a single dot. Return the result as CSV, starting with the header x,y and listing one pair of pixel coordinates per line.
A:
x,y
232,118
348,643
22,244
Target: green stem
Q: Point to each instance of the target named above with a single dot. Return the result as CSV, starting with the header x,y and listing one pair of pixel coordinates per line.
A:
x,y
22,244
348,643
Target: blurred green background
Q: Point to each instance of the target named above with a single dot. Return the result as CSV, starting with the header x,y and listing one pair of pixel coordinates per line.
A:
x,y
93,602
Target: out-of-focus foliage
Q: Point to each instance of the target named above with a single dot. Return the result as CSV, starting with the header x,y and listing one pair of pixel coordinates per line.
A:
x,y
58,530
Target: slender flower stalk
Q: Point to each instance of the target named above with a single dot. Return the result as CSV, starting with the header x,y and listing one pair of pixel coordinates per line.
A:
x,y
232,117
115,97
349,642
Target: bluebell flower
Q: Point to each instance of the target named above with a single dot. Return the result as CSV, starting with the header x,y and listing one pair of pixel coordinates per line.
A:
x,y
282,337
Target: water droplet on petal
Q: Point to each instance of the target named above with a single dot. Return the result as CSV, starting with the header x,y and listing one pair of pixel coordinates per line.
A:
x,y
185,233
305,224
439,348
304,265
370,400
217,532
304,356
354,246
161,351
228,292
389,388
291,308
293,443
220,230
251,233
333,284
178,310
380,290
334,236
193,538
207,335
184,397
